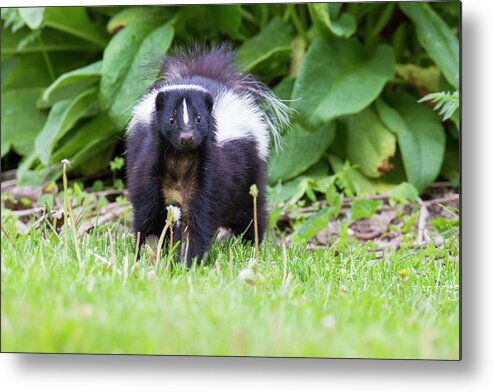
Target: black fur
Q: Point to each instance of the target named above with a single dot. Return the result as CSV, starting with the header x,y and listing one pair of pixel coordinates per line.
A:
x,y
210,182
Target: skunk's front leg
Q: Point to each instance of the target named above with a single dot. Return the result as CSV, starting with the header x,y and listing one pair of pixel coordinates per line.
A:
x,y
196,232
149,213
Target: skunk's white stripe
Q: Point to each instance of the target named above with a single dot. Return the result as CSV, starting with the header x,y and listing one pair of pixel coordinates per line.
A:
x,y
185,111
195,87
239,117
143,110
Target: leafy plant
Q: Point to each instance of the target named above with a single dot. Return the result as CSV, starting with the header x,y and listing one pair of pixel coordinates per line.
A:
x,y
358,76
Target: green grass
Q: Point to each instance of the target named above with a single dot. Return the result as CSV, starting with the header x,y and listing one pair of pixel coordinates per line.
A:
x,y
340,301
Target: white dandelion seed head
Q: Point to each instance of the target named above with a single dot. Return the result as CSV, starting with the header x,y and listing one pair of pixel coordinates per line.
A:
x,y
174,213
247,275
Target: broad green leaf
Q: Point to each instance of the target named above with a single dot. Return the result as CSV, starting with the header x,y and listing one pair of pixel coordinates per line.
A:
x,y
72,82
21,121
6,145
8,65
404,193
63,116
313,225
29,71
274,39
370,145
51,41
227,18
124,59
138,13
338,78
32,16
87,141
363,208
344,26
300,150
75,21
436,38
420,135
355,183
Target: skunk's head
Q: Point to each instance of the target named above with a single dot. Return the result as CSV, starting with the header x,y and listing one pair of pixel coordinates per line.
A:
x,y
184,117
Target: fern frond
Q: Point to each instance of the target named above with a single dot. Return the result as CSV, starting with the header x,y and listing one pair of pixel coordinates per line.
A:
x,y
446,102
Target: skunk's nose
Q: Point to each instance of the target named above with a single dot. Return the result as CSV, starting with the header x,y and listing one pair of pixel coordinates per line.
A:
x,y
186,139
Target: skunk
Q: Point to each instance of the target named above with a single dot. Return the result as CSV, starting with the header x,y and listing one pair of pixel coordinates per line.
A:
x,y
198,139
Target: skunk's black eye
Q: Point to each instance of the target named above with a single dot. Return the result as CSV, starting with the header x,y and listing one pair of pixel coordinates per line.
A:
x,y
171,120
197,118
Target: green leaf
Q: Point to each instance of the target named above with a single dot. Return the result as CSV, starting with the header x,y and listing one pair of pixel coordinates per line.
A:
x,y
124,60
29,71
33,16
284,89
138,13
51,41
88,141
344,26
295,189
419,77
70,83
75,21
63,116
338,78
364,208
436,38
300,150
274,39
420,135
370,145
11,20
404,193
355,183
227,18
313,225
21,121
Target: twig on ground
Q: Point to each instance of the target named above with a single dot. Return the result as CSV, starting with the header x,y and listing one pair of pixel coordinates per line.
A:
x,y
27,212
442,200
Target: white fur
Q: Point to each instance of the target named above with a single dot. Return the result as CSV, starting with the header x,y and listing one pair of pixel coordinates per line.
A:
x,y
143,110
238,117
185,111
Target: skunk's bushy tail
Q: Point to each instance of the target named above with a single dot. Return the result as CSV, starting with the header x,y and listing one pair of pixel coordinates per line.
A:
x,y
218,64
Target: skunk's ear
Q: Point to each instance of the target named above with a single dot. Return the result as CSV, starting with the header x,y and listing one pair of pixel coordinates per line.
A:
x,y
160,98
209,102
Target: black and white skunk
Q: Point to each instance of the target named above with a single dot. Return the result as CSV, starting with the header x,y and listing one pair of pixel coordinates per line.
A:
x,y
198,140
